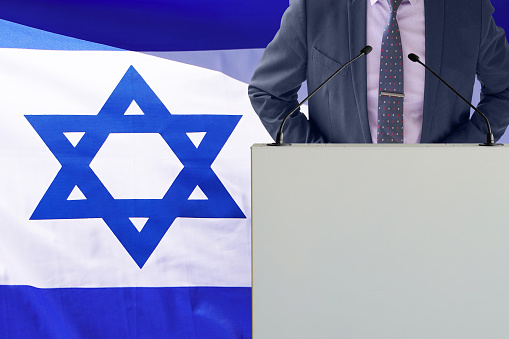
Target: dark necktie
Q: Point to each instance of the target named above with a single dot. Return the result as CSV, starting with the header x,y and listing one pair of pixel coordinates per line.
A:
x,y
390,95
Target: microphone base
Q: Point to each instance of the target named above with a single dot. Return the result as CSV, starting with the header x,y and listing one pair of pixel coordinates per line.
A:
x,y
491,144
279,144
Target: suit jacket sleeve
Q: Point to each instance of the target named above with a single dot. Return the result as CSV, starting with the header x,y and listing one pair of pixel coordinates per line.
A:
x,y
493,74
279,76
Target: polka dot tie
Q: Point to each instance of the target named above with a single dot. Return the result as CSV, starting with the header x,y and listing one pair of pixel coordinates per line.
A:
x,y
390,95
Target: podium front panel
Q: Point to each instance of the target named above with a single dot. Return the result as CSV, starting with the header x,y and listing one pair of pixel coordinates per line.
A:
x,y
374,241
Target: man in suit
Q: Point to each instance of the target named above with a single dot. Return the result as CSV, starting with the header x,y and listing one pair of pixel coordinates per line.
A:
x,y
456,38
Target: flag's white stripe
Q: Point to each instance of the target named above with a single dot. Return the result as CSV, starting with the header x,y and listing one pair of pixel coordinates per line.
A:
x,y
84,253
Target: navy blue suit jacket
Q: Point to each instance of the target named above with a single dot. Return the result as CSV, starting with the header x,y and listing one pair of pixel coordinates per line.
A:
x,y
317,36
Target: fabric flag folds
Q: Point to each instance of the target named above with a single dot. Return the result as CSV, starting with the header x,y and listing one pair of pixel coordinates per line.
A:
x,y
125,134
126,168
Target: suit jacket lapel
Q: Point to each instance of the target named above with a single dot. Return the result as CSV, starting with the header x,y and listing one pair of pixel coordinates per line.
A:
x,y
357,41
434,13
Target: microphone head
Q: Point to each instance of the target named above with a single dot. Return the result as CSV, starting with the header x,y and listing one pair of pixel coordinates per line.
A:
x,y
413,57
366,50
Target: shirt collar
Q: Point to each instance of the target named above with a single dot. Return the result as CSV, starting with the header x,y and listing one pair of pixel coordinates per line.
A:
x,y
413,2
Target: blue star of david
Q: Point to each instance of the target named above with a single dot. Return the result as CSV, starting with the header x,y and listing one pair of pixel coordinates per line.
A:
x,y
99,203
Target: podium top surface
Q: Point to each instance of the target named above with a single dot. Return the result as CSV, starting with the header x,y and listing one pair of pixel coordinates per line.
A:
x,y
406,146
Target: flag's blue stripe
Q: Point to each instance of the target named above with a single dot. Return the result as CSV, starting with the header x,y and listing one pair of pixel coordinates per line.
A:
x,y
182,312
13,35
156,25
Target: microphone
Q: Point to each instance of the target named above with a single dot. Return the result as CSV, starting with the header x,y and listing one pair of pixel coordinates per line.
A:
x,y
490,140
279,137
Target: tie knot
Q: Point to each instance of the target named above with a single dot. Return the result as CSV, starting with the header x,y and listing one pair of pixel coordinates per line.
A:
x,y
394,4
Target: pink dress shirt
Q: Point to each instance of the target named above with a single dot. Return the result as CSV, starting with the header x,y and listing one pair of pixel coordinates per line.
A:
x,y
411,24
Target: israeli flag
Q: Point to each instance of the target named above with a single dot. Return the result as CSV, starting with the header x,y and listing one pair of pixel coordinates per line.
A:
x,y
125,131
125,134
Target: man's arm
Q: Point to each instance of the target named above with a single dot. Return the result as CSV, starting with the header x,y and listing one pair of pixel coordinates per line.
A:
x,y
279,76
493,74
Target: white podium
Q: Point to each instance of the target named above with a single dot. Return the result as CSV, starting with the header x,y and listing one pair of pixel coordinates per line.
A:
x,y
373,241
